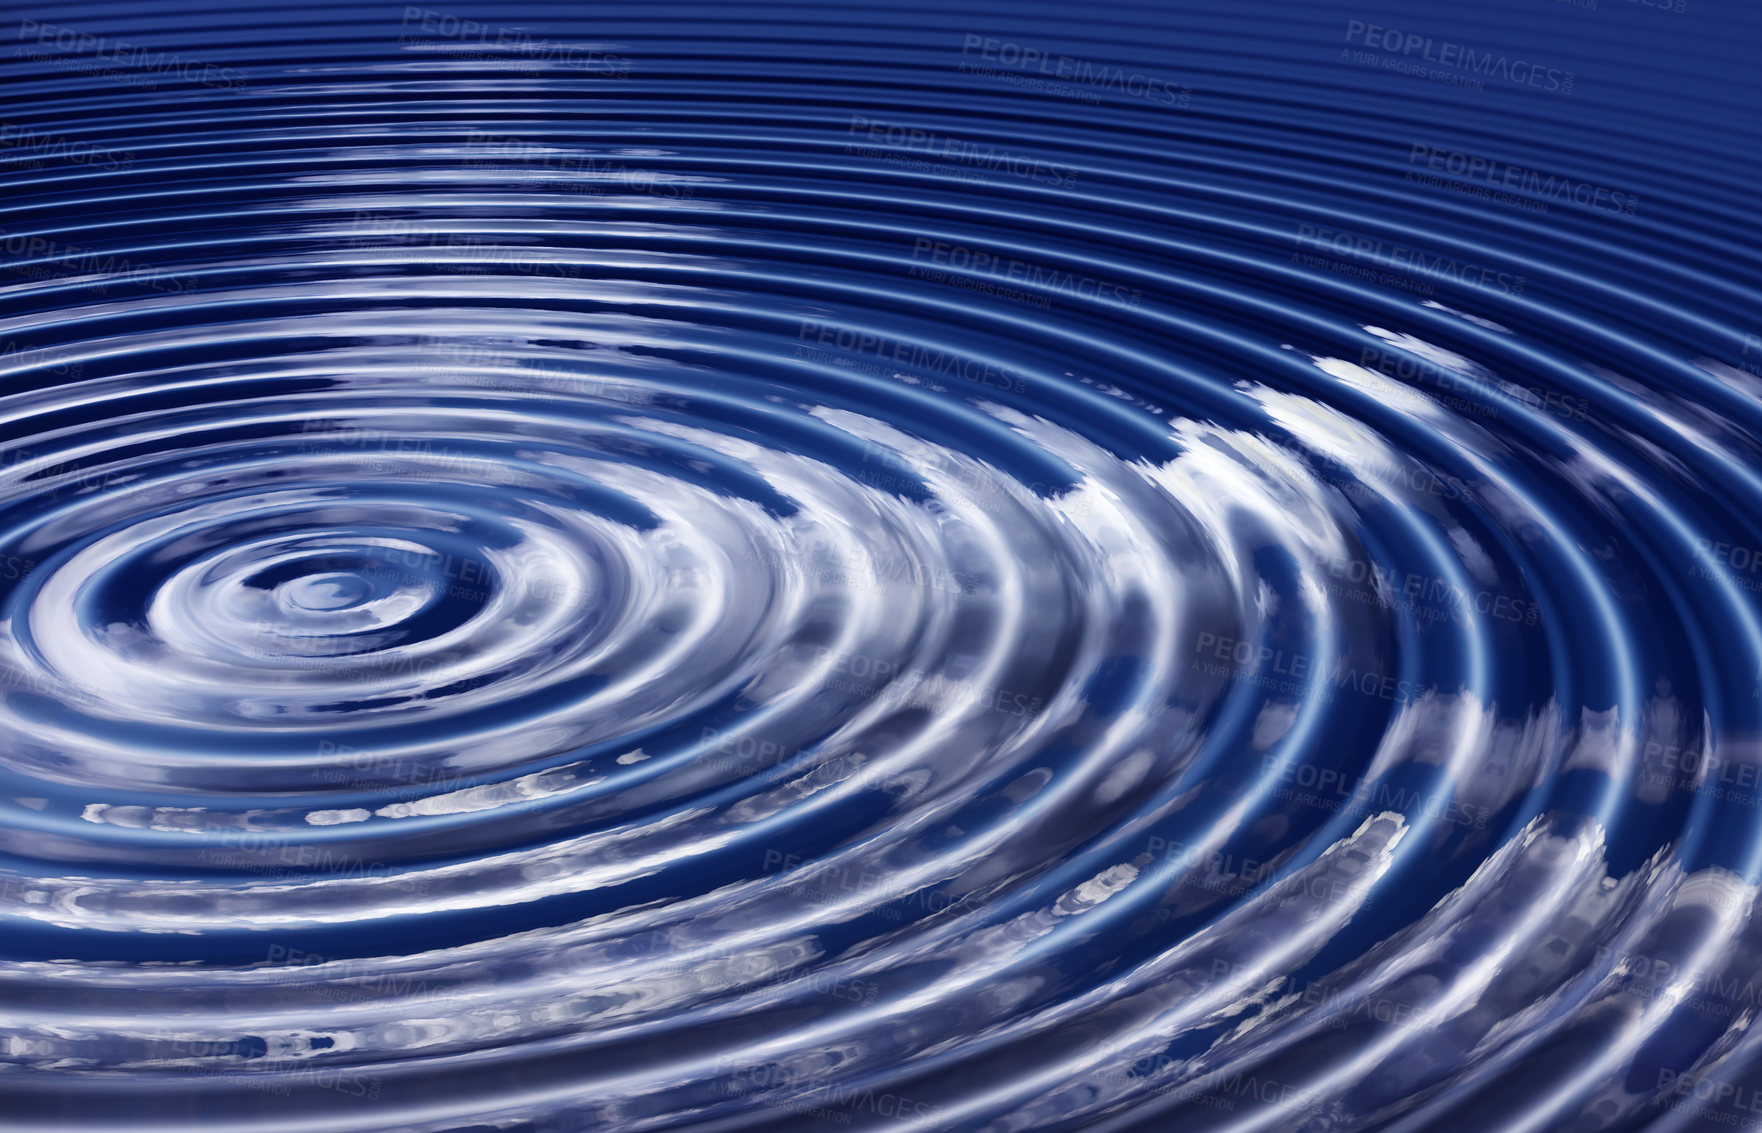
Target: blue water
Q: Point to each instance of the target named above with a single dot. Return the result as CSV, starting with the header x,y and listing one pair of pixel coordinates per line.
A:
x,y
1000,566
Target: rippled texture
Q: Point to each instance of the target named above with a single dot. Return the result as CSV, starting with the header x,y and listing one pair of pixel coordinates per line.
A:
x,y
1006,567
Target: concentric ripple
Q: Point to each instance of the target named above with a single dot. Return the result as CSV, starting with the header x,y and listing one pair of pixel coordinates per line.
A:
x,y
763,567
